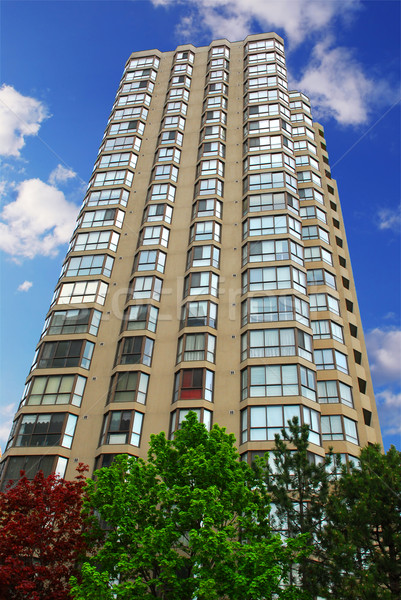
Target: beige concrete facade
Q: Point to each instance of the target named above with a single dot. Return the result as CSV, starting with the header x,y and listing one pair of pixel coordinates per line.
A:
x,y
209,270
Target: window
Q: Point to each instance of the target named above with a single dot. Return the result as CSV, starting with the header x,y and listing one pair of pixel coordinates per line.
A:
x,y
209,187
175,122
54,389
318,253
129,386
140,316
107,197
205,230
119,159
134,86
266,126
313,212
171,137
213,131
157,235
215,102
81,292
178,93
321,277
67,353
193,384
32,465
134,350
168,155
214,116
127,127
264,422
207,208
187,56
102,218
178,416
266,110
325,329
95,240
313,232
203,256
197,284
210,167
324,302
273,278
161,191
278,380
260,82
89,264
144,61
264,181
140,74
176,107
196,346
256,162
219,75
146,287
275,308
134,99
269,142
150,260
121,143
55,429
328,358
338,427
219,63
304,159
179,80
198,314
158,212
300,131
212,149
266,68
332,392
183,68
264,343
305,145
268,250
82,320
165,172
270,201
309,176
266,95
310,194
122,427
267,225
220,51
217,87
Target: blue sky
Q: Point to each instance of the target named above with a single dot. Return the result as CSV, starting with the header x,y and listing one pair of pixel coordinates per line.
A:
x,y
61,62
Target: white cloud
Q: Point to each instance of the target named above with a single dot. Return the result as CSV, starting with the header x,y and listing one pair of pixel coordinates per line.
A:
x,y
384,348
20,116
337,85
390,219
233,19
25,286
7,413
389,408
61,174
37,222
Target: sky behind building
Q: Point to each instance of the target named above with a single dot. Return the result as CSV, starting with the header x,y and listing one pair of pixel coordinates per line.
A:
x,y
61,65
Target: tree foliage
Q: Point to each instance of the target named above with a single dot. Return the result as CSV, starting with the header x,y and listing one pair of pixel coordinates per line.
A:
x,y
299,489
192,522
41,536
363,534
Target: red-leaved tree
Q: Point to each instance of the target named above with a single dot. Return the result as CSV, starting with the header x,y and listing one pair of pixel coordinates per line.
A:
x,y
41,536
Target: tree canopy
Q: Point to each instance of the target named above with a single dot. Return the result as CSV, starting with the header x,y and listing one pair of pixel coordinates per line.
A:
x,y
41,537
190,523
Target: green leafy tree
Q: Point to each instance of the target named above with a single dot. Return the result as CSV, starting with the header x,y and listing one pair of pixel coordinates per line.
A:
x,y
363,535
299,486
191,523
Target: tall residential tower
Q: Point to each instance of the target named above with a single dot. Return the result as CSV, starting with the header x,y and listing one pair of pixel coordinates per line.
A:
x,y
208,271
